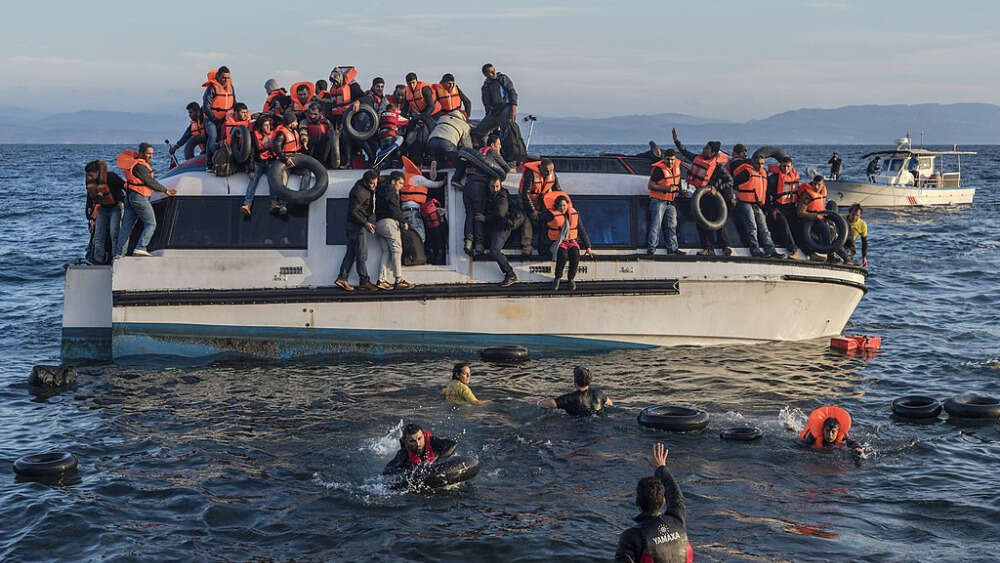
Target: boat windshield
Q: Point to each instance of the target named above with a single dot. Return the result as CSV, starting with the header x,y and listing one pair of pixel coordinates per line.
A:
x,y
893,165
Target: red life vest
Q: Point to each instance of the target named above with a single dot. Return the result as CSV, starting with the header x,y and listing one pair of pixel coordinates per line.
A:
x,y
539,185
815,198
787,186
99,191
341,96
671,179
559,218
429,211
291,144
317,130
754,190
389,123
296,104
428,456
222,103
128,160
409,192
814,426
447,100
269,103
701,169
264,142
232,123
415,98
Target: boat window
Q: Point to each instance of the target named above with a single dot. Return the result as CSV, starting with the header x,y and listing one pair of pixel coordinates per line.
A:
x,y
926,163
894,165
214,222
687,228
336,217
608,220
591,164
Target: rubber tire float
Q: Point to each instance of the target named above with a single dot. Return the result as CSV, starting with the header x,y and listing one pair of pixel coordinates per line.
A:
x,y
278,175
973,406
504,354
836,243
673,417
697,213
361,134
473,158
240,144
45,466
449,471
769,151
741,434
916,407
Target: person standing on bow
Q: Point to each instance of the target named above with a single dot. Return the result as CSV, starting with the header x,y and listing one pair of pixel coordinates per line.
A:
x,y
216,104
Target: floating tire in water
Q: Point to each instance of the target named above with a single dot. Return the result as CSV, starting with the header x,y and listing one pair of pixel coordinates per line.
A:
x,y
240,144
505,354
361,123
441,473
715,205
673,417
741,434
973,406
916,406
278,175
49,465
490,168
811,235
769,151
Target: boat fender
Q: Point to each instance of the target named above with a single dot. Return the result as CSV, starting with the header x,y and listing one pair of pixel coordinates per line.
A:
x,y
278,178
704,199
52,376
49,465
473,158
448,471
769,151
673,417
741,434
361,123
973,406
504,354
240,144
837,240
916,406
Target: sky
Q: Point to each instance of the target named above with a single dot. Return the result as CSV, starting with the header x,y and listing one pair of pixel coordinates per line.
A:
x,y
724,60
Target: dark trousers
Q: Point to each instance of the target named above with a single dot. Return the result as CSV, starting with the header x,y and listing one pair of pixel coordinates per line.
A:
x,y
573,256
444,151
474,199
784,222
319,148
437,244
513,148
710,239
498,238
357,253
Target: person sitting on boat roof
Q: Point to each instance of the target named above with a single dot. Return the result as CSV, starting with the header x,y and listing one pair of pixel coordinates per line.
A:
x,y
835,165
566,234
421,102
389,220
277,100
458,390
450,97
317,129
390,121
417,447
375,96
660,534
194,134
322,90
873,169
287,143
751,193
708,169
474,194
216,103
140,184
738,157
503,217
856,228
811,206
345,95
585,401
261,155
538,178
664,185
828,427
105,197
302,95
783,188
451,132
359,224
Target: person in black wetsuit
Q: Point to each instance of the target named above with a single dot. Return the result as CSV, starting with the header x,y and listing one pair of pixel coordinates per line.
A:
x,y
660,534
835,165
417,447
582,402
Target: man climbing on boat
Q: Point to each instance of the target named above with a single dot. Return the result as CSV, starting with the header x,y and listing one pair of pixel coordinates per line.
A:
x,y
194,134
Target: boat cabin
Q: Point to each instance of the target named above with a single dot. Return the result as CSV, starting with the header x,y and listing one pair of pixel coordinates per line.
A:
x,y
919,168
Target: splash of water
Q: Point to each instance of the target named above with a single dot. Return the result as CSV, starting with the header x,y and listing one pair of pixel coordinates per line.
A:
x,y
384,445
793,418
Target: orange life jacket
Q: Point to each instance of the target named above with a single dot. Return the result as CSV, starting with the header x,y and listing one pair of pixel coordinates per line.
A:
x,y
224,98
296,104
322,94
671,179
269,102
701,169
448,100
291,144
128,160
341,96
197,128
415,98
559,218
787,187
754,190
815,198
539,185
814,426
264,143
409,191
232,123
99,191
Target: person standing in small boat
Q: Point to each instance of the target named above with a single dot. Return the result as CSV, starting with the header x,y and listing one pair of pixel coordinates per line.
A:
x,y
811,206
873,169
105,194
539,178
567,236
262,155
458,390
216,103
474,194
389,220
140,185
585,401
783,188
835,164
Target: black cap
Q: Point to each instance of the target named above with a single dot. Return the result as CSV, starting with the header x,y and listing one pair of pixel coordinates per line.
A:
x,y
669,152
449,77
739,147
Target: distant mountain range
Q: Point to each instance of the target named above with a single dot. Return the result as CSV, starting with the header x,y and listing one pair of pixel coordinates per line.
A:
x,y
965,124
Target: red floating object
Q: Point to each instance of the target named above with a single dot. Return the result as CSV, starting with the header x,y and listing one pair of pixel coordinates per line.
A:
x,y
855,343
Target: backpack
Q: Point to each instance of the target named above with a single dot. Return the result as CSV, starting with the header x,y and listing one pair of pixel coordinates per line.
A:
x,y
222,160
414,253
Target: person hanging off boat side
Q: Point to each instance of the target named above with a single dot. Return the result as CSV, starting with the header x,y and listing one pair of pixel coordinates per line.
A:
x,y
105,202
503,216
856,228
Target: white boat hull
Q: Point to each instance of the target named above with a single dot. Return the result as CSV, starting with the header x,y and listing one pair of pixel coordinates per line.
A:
x,y
847,193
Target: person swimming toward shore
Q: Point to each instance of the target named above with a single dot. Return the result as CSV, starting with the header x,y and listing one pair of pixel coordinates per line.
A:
x,y
828,427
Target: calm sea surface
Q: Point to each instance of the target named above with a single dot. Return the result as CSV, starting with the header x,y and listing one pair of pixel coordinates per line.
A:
x,y
243,461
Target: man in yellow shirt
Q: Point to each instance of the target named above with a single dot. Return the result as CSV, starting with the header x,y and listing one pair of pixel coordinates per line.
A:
x,y
856,227
458,390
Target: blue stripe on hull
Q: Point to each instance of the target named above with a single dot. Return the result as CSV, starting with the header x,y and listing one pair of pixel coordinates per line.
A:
x,y
196,341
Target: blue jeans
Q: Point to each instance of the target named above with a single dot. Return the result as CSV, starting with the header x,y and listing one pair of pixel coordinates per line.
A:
x,y
357,254
137,208
211,136
259,170
109,221
754,228
659,208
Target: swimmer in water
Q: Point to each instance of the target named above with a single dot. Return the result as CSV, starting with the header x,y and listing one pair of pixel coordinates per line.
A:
x,y
828,427
418,447
458,390
582,402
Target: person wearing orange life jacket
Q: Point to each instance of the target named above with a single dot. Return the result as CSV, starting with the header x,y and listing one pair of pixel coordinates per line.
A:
x,y
450,97
783,184
811,206
414,194
707,168
567,236
421,102
105,196
828,427
194,134
302,96
322,90
664,186
751,192
286,144
140,184
239,118
262,155
345,95
417,447
537,179
216,103
277,100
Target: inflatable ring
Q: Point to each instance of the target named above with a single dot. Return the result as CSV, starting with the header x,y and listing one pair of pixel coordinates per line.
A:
x,y
278,175
366,127
240,144
441,473
720,205
504,354
473,158
916,406
973,406
47,465
673,417
741,434
769,151
835,244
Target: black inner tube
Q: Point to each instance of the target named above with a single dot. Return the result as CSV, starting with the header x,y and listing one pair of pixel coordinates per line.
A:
x,y
240,145
361,124
441,473
48,464
973,406
741,434
709,209
769,151
673,417
811,229
916,406
278,177
504,354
